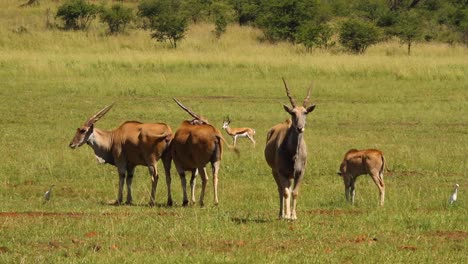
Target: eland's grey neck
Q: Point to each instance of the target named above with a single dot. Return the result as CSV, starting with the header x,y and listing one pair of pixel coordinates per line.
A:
x,y
101,142
297,148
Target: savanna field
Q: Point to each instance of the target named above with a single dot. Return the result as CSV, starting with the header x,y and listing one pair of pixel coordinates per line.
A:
x,y
413,108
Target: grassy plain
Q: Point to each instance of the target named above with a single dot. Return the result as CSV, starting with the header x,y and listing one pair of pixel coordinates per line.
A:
x,y
413,108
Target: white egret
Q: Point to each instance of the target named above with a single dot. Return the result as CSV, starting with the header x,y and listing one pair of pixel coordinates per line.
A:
x,y
48,194
453,197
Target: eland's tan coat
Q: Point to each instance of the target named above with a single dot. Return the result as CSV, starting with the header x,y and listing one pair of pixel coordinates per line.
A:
x,y
286,154
131,144
359,162
195,144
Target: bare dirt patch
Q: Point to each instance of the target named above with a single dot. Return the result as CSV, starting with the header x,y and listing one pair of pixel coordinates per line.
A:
x,y
363,239
39,214
451,235
408,247
72,214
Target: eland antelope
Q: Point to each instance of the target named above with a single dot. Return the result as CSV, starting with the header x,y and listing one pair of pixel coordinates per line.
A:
x,y
131,144
195,144
359,162
286,154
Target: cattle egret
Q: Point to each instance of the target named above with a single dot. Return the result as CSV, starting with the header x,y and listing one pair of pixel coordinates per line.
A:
x,y
48,194
453,197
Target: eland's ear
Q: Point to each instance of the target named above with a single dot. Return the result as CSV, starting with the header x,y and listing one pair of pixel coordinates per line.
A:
x,y
338,173
310,108
288,109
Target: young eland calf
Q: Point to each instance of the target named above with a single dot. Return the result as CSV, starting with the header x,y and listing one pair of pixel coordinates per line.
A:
x,y
359,162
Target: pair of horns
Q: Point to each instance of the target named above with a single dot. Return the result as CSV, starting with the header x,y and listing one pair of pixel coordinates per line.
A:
x,y
98,115
293,102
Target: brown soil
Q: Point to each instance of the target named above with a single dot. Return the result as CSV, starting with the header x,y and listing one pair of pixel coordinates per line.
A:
x,y
70,214
408,247
452,235
39,214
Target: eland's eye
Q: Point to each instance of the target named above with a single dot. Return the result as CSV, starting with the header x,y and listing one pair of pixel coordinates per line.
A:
x,y
82,131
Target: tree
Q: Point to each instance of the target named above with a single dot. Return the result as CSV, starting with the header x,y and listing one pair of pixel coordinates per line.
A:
x,y
196,10
77,14
357,35
370,10
168,21
281,19
221,15
117,17
408,28
246,11
312,35
458,20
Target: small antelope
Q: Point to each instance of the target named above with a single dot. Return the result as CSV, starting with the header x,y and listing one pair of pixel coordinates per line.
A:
x,y
286,154
238,132
131,144
359,162
195,144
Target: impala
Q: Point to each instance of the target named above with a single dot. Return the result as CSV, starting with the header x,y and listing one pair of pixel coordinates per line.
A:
x,y
131,144
286,154
238,132
195,144
359,162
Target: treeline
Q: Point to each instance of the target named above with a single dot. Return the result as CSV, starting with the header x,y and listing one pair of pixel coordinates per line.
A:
x,y
353,24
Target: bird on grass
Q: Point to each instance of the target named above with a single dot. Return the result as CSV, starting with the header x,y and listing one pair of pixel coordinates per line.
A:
x,y
48,194
453,197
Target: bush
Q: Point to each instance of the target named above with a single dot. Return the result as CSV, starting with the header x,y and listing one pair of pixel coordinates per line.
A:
x,y
246,11
314,35
77,14
221,15
409,28
117,17
281,20
167,19
357,35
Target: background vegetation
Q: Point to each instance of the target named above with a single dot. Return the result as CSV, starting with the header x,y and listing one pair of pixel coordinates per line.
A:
x,y
411,107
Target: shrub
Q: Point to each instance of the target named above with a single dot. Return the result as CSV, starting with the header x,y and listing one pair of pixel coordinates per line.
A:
x,y
246,11
314,35
77,14
221,15
409,28
168,21
281,20
357,35
117,17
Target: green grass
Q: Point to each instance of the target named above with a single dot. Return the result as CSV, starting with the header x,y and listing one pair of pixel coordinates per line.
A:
x,y
413,108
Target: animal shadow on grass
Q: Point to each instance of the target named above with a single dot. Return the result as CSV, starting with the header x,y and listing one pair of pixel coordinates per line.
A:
x,y
157,205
